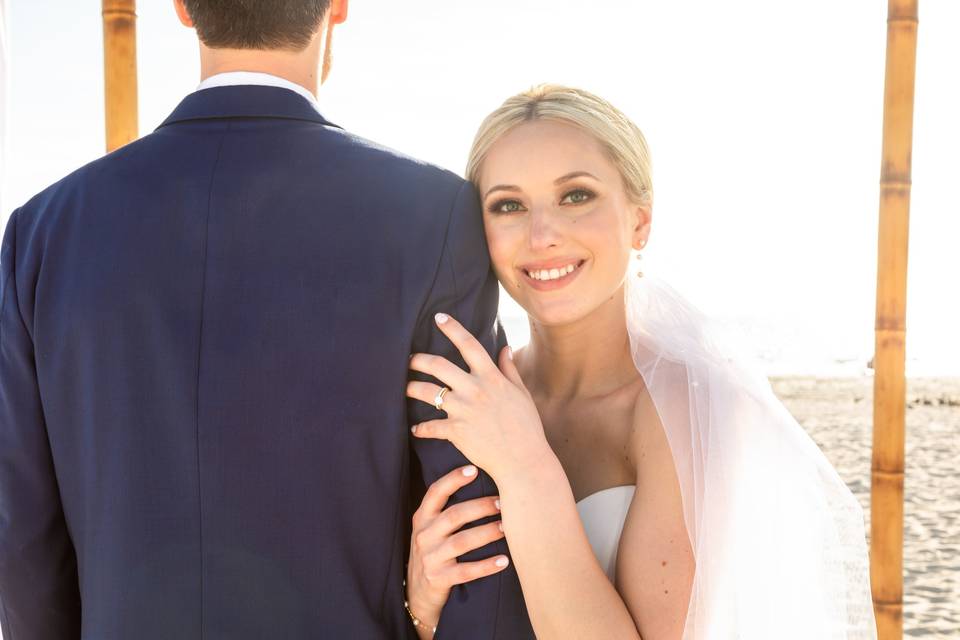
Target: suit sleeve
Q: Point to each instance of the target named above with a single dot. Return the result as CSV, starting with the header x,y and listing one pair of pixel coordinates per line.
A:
x,y
39,592
466,288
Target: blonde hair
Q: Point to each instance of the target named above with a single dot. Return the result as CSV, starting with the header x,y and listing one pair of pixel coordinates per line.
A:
x,y
622,139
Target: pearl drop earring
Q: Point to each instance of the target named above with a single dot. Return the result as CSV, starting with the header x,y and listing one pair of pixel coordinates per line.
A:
x,y
640,257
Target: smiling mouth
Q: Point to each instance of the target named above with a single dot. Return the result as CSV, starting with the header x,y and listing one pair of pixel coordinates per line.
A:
x,y
557,273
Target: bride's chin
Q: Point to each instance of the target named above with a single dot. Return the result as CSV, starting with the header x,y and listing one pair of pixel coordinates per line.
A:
x,y
554,315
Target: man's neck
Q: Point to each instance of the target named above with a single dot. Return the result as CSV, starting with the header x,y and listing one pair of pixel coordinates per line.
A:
x,y
301,67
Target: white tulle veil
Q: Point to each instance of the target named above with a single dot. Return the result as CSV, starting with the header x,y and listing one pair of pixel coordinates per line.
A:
x,y
777,536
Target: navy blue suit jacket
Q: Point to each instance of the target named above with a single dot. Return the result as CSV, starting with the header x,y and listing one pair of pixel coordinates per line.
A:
x,y
203,362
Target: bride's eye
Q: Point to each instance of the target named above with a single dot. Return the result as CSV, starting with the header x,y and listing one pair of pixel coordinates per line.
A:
x,y
577,196
506,206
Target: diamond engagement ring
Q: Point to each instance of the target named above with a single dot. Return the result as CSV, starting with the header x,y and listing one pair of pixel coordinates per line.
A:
x,y
438,401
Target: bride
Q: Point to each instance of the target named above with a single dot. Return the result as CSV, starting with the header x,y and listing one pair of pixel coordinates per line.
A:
x,y
651,485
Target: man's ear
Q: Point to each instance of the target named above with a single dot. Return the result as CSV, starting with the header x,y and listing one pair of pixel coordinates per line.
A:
x,y
643,216
338,11
182,13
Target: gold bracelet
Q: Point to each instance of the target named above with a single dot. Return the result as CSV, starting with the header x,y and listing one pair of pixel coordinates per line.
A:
x,y
417,622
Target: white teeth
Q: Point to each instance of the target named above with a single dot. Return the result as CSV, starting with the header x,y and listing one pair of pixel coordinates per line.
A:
x,y
552,274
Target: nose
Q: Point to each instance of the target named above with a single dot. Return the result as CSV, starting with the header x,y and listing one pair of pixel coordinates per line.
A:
x,y
544,233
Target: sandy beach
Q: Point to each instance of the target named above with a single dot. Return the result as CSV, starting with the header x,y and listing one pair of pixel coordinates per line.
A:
x,y
837,413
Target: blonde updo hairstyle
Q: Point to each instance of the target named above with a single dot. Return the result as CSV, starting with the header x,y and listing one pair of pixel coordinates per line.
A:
x,y
621,138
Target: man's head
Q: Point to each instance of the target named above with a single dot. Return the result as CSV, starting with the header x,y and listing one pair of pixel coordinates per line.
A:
x,y
257,24
242,33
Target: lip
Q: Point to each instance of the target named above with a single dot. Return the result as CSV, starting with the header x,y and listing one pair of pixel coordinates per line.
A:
x,y
551,285
551,264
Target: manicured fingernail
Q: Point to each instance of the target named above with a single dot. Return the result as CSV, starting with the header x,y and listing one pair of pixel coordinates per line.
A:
x,y
510,353
500,524
442,318
502,561
497,503
470,471
413,429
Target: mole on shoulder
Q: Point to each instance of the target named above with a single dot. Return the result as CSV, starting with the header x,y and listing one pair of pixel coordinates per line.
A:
x,y
663,564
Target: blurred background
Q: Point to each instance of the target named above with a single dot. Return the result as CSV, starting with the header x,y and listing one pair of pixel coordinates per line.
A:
x,y
764,120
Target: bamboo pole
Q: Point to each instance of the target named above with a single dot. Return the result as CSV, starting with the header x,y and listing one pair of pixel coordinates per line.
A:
x,y
889,386
120,71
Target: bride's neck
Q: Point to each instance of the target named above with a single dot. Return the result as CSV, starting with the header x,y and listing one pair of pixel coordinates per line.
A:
x,y
587,358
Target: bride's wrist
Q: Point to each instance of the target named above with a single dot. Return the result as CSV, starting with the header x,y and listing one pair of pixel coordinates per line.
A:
x,y
541,466
423,618
423,614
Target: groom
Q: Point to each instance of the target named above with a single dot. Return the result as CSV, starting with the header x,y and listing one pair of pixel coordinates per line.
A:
x,y
203,362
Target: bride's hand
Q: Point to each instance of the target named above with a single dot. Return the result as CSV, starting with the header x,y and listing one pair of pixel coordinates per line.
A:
x,y
491,417
437,541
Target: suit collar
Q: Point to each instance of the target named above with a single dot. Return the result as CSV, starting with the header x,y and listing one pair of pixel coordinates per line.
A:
x,y
245,101
231,78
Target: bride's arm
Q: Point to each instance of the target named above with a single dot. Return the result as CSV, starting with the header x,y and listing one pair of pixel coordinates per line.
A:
x,y
567,593
495,423
655,564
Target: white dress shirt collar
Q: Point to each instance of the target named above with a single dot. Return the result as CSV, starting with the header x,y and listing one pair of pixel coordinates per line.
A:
x,y
231,78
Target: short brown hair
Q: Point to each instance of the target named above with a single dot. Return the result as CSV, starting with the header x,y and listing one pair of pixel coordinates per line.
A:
x,y
257,24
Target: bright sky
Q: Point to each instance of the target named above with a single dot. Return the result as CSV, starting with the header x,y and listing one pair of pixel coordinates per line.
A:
x,y
764,119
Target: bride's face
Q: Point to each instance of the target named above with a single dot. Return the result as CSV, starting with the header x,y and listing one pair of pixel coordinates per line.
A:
x,y
559,224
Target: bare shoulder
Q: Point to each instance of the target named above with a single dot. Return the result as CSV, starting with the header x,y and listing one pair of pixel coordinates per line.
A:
x,y
648,441
655,564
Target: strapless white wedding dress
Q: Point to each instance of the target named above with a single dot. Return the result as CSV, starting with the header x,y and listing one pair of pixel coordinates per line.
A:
x,y
603,514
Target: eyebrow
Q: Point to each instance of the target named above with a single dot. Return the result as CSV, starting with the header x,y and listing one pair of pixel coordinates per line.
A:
x,y
560,180
575,174
501,187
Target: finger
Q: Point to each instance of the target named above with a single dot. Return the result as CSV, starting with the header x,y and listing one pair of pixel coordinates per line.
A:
x,y
509,368
471,539
436,429
427,392
439,492
469,347
468,571
441,369
453,518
